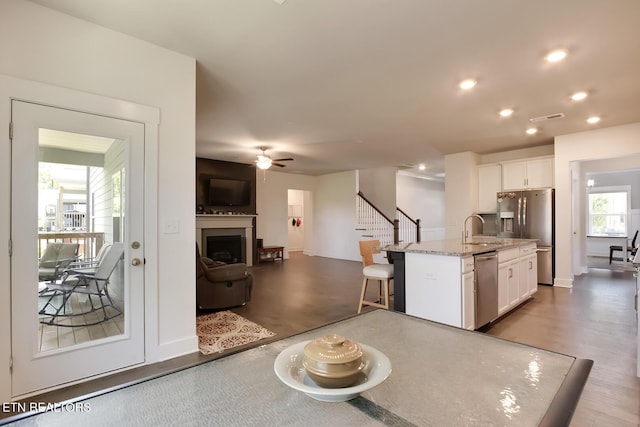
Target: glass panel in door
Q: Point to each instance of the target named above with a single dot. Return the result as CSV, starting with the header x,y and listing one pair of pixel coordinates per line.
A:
x,y
80,214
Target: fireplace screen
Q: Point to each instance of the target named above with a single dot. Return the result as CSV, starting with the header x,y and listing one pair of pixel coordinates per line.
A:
x,y
228,249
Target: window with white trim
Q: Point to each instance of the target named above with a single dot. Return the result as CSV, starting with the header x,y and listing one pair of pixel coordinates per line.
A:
x,y
608,210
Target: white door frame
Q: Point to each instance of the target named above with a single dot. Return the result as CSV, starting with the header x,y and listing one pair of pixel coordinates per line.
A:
x,y
13,88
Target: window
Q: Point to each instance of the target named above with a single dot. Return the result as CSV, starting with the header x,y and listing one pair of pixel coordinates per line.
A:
x,y
608,210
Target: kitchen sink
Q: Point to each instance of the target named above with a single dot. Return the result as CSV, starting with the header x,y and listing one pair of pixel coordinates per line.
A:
x,y
483,243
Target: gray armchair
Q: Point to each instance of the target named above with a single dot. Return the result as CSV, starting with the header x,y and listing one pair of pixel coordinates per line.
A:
x,y
220,285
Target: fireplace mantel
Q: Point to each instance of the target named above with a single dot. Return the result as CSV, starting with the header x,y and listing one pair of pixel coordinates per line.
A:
x,y
239,221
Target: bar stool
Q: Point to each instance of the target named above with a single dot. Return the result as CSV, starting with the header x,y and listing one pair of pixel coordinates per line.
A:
x,y
383,273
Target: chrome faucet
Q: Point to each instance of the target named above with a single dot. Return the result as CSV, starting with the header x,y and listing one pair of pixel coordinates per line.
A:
x,y
465,232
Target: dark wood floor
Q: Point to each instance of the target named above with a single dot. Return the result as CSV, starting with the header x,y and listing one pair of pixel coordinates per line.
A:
x,y
594,320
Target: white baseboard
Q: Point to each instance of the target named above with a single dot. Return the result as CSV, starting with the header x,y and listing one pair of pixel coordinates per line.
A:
x,y
563,283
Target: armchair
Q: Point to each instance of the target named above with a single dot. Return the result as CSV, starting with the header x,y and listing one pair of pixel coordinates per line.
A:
x,y
220,285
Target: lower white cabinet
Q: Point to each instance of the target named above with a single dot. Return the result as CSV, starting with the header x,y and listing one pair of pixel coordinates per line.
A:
x,y
528,270
517,276
468,294
528,275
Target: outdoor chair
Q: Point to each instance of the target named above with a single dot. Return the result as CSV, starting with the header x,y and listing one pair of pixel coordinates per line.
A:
x,y
90,284
57,256
88,265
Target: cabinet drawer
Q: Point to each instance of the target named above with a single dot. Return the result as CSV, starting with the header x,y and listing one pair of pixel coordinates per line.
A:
x,y
508,254
467,264
528,249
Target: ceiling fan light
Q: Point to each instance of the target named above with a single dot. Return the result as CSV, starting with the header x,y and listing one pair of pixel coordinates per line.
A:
x,y
556,55
263,162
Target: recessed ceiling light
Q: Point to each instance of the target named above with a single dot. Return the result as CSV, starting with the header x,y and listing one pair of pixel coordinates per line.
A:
x,y
532,131
422,167
506,112
593,120
556,55
579,96
467,84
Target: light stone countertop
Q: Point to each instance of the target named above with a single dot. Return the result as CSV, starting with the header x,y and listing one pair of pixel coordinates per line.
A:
x,y
441,376
455,247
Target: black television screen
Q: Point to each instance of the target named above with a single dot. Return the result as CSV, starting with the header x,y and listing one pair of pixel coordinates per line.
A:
x,y
229,192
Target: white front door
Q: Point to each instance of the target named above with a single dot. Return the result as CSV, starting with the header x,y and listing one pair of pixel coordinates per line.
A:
x,y
77,182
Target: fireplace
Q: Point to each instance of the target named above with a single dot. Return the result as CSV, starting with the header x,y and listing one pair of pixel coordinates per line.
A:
x,y
229,249
224,232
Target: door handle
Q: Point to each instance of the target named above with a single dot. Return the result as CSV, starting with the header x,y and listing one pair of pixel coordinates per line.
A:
x,y
136,262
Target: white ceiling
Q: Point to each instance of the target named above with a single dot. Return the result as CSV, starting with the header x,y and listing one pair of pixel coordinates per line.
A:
x,y
345,84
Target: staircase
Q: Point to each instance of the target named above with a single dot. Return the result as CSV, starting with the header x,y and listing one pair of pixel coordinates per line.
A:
x,y
377,226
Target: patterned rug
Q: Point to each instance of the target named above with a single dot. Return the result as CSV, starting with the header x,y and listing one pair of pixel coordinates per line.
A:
x,y
223,330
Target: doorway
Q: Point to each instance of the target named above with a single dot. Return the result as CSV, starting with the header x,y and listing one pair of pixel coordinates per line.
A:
x,y
77,270
298,219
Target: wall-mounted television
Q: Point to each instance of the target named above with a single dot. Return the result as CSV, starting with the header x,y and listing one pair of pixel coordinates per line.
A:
x,y
228,192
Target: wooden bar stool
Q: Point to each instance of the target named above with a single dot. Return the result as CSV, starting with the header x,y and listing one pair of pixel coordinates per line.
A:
x,y
383,273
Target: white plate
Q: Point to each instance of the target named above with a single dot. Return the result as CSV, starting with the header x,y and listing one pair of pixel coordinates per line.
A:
x,y
288,367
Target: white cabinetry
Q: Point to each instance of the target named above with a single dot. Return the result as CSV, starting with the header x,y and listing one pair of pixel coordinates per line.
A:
x,y
533,173
510,292
468,294
489,183
437,289
528,270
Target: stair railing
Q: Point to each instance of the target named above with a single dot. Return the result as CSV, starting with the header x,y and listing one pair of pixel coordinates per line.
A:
x,y
376,225
408,228
372,222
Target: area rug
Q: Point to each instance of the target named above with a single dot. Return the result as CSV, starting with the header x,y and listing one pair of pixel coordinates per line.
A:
x,y
223,330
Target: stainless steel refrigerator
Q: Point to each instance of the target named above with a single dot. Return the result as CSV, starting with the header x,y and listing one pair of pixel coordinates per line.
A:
x,y
530,214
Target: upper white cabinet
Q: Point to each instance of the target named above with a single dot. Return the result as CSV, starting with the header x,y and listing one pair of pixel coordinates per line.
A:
x,y
534,173
489,183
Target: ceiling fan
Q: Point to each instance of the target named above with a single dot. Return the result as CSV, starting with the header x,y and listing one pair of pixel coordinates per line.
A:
x,y
265,161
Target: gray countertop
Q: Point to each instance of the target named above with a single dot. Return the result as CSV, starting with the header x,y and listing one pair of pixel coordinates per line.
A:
x,y
455,247
441,376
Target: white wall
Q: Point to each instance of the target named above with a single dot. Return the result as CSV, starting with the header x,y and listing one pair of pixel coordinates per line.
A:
x,y
422,199
379,186
461,191
604,143
272,198
522,153
330,212
43,45
335,235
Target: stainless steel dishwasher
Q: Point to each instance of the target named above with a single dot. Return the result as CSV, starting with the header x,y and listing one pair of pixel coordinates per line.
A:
x,y
486,284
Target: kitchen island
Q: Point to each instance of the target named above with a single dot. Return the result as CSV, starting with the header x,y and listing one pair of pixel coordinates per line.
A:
x,y
437,280
440,376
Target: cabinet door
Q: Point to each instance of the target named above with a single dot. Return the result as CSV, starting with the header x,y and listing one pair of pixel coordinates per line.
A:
x,y
525,277
468,301
514,175
533,273
503,287
539,173
489,183
514,282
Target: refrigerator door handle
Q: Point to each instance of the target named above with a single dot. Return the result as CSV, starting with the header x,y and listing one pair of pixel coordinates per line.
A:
x,y
524,217
519,212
